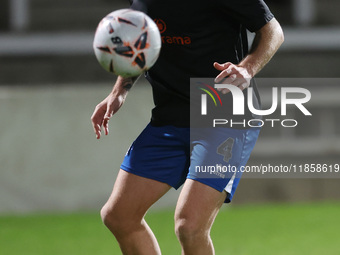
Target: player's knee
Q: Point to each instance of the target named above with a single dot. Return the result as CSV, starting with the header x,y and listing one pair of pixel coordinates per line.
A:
x,y
106,215
111,217
189,230
117,220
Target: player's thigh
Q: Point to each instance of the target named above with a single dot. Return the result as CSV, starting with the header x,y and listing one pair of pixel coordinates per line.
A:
x,y
198,205
133,195
218,156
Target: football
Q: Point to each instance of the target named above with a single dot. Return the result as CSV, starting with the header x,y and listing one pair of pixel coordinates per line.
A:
x,y
127,42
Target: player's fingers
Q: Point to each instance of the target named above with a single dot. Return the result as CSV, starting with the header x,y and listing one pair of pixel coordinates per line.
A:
x,y
244,85
107,116
106,126
95,124
240,82
225,73
109,112
218,66
97,130
225,91
221,67
232,79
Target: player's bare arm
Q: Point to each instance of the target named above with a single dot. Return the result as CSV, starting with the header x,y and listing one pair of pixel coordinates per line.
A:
x,y
110,105
266,42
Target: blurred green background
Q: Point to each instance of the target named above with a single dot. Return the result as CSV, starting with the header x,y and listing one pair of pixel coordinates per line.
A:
x,y
55,176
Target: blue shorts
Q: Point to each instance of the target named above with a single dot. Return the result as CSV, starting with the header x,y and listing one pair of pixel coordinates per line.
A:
x,y
213,156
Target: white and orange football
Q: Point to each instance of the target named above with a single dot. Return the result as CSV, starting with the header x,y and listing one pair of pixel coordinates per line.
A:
x,y
127,42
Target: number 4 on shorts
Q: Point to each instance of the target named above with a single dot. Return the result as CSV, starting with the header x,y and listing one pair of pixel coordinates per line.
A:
x,y
225,149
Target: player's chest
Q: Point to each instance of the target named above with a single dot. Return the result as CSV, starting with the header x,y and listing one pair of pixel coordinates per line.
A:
x,y
178,15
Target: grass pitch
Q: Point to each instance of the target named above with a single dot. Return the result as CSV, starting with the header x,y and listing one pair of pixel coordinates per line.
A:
x,y
243,230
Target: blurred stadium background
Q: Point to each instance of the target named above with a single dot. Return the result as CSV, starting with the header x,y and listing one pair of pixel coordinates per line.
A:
x,y
50,83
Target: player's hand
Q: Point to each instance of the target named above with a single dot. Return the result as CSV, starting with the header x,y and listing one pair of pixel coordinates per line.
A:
x,y
103,112
233,75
